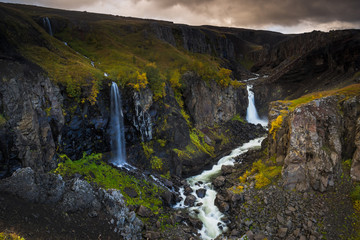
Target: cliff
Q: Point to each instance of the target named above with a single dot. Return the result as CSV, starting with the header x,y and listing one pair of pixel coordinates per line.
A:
x,y
312,137
57,67
308,63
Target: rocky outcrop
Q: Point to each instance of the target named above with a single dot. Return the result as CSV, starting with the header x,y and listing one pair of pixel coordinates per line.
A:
x,y
72,196
312,139
31,105
307,63
209,103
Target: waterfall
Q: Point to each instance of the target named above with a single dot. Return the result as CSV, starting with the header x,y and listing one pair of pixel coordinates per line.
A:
x,y
142,119
251,113
47,25
117,127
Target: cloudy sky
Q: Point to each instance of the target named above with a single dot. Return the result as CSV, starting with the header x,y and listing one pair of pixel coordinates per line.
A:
x,y
288,16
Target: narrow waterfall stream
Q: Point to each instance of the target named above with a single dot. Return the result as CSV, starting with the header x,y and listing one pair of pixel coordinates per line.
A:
x,y
208,213
251,112
117,127
47,25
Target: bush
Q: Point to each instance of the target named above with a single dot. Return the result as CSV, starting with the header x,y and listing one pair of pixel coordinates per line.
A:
x,y
275,125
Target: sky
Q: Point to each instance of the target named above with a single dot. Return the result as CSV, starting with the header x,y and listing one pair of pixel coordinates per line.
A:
x,y
287,16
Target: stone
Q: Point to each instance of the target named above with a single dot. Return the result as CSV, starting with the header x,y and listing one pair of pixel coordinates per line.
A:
x,y
226,169
201,192
130,192
259,236
187,190
152,235
234,233
250,235
282,232
190,200
144,212
219,181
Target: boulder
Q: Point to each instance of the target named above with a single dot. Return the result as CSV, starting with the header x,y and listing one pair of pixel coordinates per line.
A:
x,y
219,181
190,200
144,212
201,192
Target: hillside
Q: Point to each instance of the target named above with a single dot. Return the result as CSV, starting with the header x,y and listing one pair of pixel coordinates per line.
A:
x,y
183,94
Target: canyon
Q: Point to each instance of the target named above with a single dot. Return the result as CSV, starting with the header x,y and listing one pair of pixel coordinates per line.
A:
x,y
189,95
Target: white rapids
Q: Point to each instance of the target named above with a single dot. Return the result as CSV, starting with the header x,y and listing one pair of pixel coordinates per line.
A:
x,y
208,213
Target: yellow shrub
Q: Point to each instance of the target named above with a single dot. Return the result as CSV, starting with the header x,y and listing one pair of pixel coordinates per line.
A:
x,y
275,125
175,79
140,82
261,180
357,206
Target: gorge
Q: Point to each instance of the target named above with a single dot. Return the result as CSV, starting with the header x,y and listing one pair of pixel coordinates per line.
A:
x,y
232,133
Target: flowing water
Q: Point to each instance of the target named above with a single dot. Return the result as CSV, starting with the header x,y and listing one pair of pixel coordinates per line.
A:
x,y
251,113
47,25
208,213
117,127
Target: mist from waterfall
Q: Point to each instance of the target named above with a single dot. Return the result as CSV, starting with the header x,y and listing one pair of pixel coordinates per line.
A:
x,y
47,25
251,112
117,127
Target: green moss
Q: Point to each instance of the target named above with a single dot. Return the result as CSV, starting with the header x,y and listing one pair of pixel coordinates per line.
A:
x,y
238,118
148,150
95,170
156,163
263,173
197,138
162,142
2,120
355,194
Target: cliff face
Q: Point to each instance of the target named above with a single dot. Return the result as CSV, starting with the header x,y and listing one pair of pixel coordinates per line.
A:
x,y
308,63
32,117
313,139
209,103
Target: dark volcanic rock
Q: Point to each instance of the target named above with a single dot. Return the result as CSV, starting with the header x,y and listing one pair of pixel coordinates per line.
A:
x,y
201,192
190,200
144,212
219,181
130,192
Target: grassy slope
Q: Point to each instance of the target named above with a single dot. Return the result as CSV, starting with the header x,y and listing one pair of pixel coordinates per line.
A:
x,y
118,46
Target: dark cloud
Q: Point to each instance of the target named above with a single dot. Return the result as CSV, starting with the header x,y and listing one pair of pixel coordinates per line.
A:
x,y
263,14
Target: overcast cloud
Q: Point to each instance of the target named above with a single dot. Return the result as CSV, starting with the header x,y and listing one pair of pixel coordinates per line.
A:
x,y
279,15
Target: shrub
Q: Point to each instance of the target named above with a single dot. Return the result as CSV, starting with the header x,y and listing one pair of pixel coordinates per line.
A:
x,y
275,125
141,81
156,163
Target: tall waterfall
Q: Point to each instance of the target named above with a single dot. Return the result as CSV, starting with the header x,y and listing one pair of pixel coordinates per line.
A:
x,y
251,113
47,25
117,127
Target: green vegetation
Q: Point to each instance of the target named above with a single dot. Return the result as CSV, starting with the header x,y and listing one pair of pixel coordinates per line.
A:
x,y
238,118
197,138
2,120
10,236
263,172
156,163
125,49
148,150
95,170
